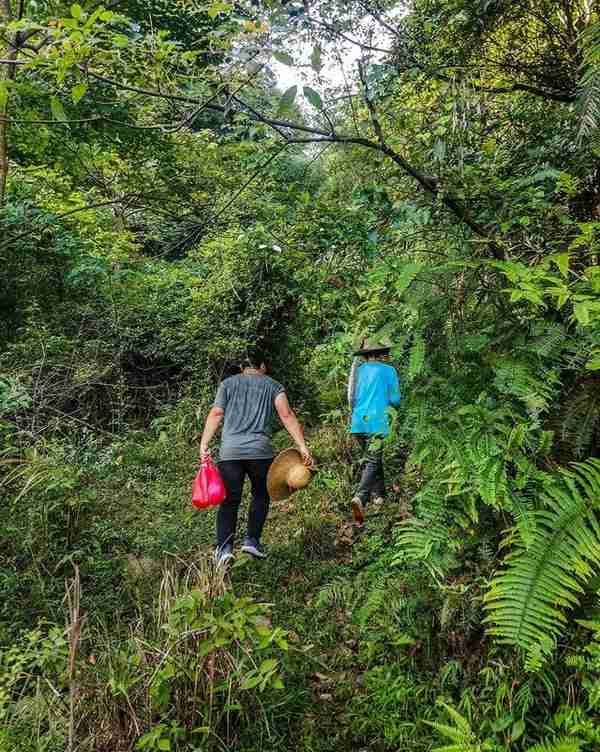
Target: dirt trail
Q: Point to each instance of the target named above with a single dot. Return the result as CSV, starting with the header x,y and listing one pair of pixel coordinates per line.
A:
x,y
315,549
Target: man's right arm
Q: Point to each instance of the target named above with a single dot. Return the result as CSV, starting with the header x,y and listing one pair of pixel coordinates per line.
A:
x,y
213,420
353,382
292,425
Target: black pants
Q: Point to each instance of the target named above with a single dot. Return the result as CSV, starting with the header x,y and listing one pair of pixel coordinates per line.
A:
x,y
234,473
372,480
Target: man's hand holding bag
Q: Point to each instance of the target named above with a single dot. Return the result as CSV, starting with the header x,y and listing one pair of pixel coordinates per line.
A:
x,y
208,489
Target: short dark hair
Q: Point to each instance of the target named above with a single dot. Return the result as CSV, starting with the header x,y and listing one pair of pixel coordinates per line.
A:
x,y
256,355
230,369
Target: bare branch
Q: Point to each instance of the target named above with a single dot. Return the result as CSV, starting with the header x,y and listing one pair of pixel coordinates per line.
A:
x,y
96,119
196,227
556,96
350,40
378,17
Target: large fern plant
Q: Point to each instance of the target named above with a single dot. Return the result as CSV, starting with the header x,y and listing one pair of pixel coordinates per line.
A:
x,y
589,86
543,576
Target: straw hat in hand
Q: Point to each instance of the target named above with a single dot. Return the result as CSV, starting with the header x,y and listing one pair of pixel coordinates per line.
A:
x,y
287,474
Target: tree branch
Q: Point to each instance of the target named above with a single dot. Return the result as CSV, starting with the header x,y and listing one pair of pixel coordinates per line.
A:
x,y
556,96
196,228
361,45
170,127
427,183
31,230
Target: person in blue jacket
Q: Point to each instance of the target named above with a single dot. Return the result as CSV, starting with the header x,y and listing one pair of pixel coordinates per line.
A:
x,y
373,387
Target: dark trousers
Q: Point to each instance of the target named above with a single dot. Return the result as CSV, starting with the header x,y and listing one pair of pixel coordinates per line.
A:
x,y
234,473
371,480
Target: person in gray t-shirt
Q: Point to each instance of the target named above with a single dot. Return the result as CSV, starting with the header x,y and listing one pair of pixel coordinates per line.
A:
x,y
248,401
246,404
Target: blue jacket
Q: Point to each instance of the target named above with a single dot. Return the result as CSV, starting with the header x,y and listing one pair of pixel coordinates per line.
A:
x,y
377,388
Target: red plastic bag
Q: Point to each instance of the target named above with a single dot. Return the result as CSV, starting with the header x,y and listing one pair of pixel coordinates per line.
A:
x,y
208,489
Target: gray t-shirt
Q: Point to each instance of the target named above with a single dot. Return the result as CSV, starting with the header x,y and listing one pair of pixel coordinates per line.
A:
x,y
248,401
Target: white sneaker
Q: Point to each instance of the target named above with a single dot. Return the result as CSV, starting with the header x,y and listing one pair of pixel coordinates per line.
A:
x,y
254,548
223,554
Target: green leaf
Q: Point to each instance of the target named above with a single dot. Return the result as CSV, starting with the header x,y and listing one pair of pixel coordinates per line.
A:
x,y
206,730
582,313
283,57
517,730
564,744
251,681
407,274
164,744
58,112
593,364
528,596
77,92
313,97
315,58
120,40
287,98
562,261
502,723
268,665
449,731
76,11
107,15
217,7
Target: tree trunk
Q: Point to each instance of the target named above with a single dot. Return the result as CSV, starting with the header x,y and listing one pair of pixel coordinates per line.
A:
x,y
7,74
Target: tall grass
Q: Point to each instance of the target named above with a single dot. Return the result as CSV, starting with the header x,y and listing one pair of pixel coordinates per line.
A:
x,y
188,672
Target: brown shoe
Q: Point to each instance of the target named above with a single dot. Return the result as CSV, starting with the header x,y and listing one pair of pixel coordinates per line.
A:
x,y
358,511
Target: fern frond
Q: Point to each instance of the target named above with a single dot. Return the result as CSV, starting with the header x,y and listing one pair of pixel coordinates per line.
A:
x,y
523,381
416,359
580,417
589,89
564,744
548,342
429,503
427,542
527,600
338,594
524,514
524,699
461,733
375,601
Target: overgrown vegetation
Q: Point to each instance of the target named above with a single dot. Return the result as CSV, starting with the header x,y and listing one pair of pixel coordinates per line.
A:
x,y
178,180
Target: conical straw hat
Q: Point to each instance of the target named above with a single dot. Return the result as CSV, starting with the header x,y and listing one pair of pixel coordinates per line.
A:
x,y
287,474
373,347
